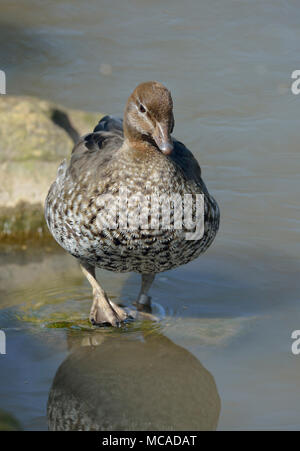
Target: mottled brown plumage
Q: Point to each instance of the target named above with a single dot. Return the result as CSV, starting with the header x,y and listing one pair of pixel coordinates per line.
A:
x,y
145,160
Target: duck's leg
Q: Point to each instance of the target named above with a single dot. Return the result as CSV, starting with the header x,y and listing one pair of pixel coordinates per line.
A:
x,y
103,310
143,302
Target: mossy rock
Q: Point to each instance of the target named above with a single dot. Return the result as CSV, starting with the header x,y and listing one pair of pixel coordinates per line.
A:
x,y
22,222
8,422
35,136
34,129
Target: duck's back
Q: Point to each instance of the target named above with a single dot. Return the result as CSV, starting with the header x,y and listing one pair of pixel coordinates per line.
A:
x,y
100,165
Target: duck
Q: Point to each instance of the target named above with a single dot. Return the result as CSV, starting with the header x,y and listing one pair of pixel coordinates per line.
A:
x,y
118,203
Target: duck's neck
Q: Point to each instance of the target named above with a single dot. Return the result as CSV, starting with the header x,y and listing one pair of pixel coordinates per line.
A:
x,y
139,147
134,139
130,131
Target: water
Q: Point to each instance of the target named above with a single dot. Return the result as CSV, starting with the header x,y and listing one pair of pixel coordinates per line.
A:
x,y
229,68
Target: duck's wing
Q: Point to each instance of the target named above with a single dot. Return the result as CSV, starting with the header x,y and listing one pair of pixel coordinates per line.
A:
x,y
94,149
110,124
184,158
107,135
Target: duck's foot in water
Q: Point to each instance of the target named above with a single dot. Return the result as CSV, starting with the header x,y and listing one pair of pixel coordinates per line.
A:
x,y
116,316
143,303
104,312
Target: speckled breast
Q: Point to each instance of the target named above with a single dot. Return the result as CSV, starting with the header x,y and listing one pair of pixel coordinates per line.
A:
x,y
85,216
77,223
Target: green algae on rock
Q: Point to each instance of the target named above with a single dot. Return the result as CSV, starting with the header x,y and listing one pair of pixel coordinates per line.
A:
x,y
22,222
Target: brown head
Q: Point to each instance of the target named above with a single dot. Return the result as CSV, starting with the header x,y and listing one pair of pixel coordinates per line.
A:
x,y
149,116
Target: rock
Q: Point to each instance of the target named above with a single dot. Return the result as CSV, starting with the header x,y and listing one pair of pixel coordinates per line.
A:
x,y
35,136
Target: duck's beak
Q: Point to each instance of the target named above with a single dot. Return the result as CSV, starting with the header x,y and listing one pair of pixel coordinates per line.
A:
x,y
163,138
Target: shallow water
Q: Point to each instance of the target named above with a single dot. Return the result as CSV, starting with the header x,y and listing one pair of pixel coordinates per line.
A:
x,y
229,67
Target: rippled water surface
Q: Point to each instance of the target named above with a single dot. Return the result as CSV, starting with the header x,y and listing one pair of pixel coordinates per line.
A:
x,y
227,316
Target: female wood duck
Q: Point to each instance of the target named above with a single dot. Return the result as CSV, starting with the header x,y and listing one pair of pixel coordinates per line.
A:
x,y
139,156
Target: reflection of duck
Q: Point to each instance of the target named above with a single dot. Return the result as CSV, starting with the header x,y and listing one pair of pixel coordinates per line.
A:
x,y
140,156
130,382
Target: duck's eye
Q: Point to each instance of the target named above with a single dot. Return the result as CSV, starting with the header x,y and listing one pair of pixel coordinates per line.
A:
x,y
142,108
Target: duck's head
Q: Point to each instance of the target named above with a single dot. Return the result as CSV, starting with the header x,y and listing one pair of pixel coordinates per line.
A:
x,y
149,116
